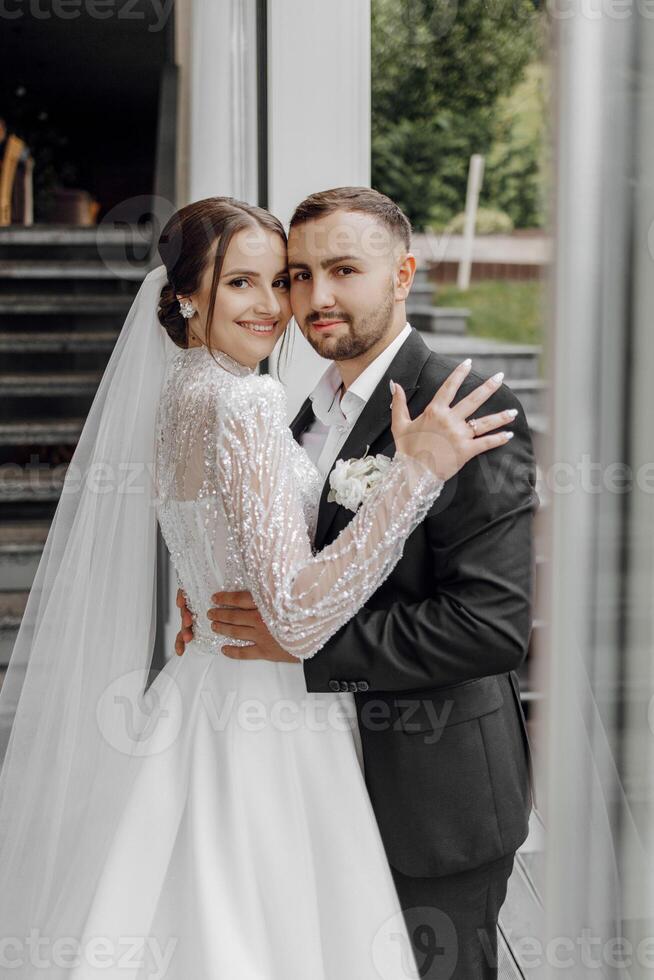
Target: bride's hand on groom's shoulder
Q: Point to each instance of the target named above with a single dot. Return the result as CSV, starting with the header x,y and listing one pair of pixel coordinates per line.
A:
x,y
444,437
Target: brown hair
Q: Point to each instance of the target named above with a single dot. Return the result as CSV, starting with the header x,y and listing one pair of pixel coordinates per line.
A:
x,y
184,246
359,199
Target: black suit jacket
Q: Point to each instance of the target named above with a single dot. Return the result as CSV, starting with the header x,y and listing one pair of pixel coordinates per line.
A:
x,y
431,658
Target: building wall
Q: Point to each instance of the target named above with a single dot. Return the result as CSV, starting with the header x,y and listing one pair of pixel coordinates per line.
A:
x,y
217,143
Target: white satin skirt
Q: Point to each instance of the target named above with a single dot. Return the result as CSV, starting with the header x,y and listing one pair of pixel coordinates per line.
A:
x,y
249,849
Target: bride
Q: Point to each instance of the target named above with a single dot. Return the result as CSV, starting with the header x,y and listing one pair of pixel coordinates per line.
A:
x,y
215,823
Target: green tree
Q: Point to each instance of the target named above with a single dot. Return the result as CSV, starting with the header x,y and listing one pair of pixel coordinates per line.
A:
x,y
440,68
517,177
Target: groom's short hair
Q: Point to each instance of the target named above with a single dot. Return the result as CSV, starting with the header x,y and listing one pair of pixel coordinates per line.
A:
x,y
358,199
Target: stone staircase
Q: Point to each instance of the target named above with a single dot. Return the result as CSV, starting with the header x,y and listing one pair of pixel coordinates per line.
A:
x,y
520,363
424,316
64,293
444,330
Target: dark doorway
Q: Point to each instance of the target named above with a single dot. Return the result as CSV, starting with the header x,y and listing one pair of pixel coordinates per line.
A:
x,y
83,91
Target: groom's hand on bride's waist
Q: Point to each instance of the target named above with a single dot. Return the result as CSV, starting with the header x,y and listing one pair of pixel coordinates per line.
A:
x,y
235,615
185,635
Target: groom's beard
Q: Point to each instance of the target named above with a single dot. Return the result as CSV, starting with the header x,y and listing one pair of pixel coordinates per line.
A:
x,y
362,333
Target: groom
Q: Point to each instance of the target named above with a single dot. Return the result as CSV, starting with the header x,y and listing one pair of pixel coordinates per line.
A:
x,y
431,659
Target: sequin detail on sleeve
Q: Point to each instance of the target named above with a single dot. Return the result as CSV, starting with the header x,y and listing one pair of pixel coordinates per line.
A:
x,y
305,598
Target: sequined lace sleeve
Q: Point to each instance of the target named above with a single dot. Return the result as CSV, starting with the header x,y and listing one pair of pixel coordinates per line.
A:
x,y
305,598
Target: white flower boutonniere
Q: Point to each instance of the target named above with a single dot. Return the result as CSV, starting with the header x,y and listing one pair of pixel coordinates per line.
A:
x,y
351,480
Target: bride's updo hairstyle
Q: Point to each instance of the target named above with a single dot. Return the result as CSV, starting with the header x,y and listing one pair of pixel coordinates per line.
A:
x,y
185,245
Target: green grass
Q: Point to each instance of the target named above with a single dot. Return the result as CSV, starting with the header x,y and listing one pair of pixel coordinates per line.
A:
x,y
510,311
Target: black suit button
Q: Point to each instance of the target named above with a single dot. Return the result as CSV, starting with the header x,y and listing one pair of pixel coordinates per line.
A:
x,y
363,686
353,686
344,686
334,686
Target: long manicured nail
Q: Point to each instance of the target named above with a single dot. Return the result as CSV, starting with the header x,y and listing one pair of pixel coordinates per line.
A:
x,y
467,363
498,377
392,386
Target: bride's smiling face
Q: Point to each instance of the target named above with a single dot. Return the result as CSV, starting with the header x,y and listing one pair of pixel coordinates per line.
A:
x,y
252,306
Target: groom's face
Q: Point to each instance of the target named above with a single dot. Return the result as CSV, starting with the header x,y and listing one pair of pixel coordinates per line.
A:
x,y
344,290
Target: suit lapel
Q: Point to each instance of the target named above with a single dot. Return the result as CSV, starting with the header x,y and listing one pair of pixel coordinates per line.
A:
x,y
374,425
302,420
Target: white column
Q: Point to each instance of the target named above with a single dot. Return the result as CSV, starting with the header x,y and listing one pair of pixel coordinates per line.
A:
x,y
583,652
319,122
216,46
216,52
637,826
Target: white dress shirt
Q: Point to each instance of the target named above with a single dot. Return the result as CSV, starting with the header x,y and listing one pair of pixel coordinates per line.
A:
x,y
334,419
327,434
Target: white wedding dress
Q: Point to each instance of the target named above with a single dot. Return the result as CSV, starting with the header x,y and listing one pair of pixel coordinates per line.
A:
x,y
249,848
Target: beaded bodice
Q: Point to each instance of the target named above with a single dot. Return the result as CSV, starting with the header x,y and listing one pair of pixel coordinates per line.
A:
x,y
190,514
237,502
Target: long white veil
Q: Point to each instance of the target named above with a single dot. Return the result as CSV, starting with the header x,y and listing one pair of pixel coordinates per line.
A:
x,y
82,655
